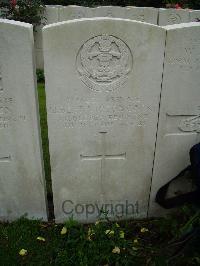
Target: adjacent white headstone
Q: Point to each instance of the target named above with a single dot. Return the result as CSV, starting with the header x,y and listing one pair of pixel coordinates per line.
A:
x,y
58,13
102,104
51,15
172,16
109,11
195,16
22,188
74,12
179,122
143,14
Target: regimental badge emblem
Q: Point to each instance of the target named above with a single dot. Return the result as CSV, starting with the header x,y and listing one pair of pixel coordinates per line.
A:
x,y
191,124
104,63
174,18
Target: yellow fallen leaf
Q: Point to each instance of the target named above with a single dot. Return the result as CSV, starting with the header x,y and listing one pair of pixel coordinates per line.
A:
x,y
144,230
135,241
41,238
63,231
116,250
23,252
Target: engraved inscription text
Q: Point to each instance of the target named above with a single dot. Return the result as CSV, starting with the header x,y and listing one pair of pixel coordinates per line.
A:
x,y
78,112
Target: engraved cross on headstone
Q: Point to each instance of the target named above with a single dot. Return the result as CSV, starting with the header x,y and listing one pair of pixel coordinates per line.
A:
x,y
5,159
103,157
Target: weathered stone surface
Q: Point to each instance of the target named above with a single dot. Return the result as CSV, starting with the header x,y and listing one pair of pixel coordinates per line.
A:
x,y
74,12
39,58
109,11
179,118
172,16
102,105
143,14
195,16
22,188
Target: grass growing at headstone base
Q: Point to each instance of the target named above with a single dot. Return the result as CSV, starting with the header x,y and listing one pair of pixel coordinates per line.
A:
x,y
44,134
157,242
45,140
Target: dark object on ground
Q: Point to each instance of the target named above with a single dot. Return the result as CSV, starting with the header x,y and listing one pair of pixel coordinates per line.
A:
x,y
191,197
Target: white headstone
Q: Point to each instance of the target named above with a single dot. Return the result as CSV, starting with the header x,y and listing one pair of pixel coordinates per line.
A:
x,y
102,104
109,11
74,12
179,122
143,14
51,15
22,182
172,16
195,16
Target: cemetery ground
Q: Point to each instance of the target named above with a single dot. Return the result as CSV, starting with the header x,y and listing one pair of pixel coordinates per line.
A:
x,y
173,240
145,242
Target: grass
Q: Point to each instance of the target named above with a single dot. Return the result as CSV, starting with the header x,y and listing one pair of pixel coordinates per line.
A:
x,y
149,242
44,133
168,241
45,143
